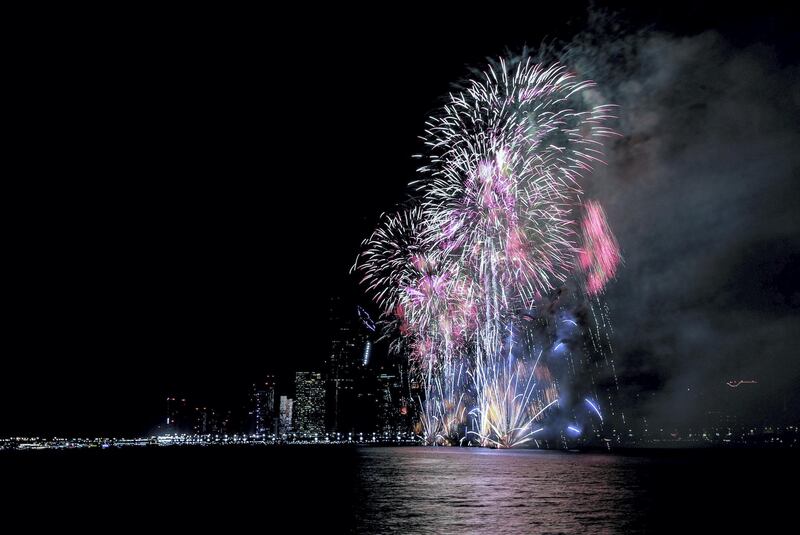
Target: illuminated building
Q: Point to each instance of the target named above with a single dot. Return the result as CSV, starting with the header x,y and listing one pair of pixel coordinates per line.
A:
x,y
367,353
204,421
285,415
350,353
178,420
391,401
309,403
262,413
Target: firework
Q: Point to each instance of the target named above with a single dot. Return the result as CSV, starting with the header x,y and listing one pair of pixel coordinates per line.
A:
x,y
494,230
502,178
509,404
599,256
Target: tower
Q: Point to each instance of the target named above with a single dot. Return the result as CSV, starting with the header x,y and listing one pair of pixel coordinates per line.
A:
x,y
309,403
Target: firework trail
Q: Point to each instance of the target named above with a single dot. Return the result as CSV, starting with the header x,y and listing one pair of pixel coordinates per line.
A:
x,y
462,276
510,405
443,416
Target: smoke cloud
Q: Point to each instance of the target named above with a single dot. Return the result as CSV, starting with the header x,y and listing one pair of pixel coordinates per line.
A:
x,y
701,190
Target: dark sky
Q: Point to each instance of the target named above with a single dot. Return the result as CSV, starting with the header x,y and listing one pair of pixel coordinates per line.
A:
x,y
192,191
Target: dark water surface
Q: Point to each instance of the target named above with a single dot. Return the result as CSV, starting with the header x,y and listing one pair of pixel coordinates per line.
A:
x,y
502,491
402,490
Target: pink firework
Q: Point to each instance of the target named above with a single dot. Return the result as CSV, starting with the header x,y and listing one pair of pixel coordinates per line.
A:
x,y
599,257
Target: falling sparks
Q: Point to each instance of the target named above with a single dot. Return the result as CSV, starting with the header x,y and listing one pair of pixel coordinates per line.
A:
x,y
495,228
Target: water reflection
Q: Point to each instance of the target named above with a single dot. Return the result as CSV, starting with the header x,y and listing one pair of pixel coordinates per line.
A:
x,y
443,490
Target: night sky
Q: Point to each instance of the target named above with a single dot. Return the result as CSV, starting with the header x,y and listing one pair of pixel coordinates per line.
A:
x,y
192,192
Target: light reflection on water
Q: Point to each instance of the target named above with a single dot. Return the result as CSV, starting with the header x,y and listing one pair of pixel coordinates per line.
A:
x,y
440,490
464,490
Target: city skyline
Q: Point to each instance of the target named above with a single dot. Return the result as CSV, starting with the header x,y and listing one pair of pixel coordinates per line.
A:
x,y
344,370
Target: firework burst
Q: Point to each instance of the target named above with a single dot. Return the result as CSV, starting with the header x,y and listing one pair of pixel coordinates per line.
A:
x,y
495,229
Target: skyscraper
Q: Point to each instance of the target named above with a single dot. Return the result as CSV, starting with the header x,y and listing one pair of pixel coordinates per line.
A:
x,y
178,420
204,421
263,406
350,352
309,403
386,403
285,415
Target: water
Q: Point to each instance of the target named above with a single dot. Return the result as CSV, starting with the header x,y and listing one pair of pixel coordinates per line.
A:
x,y
401,490
505,491
468,491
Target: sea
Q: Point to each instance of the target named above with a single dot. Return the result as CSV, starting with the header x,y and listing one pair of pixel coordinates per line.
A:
x,y
357,489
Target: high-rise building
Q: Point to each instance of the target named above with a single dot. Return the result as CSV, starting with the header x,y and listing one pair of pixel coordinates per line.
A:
x,y
183,419
285,415
385,401
178,420
309,403
172,414
392,399
350,353
262,398
204,421
226,423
